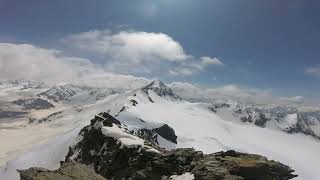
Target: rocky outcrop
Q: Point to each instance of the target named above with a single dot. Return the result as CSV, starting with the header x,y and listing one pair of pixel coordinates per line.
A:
x,y
115,152
67,171
235,165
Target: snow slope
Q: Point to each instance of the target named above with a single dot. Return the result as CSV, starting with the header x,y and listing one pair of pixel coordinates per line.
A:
x,y
197,126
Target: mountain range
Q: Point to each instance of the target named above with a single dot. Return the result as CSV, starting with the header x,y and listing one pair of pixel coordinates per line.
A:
x,y
39,122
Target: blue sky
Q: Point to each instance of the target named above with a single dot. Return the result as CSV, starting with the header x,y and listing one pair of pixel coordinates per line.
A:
x,y
262,44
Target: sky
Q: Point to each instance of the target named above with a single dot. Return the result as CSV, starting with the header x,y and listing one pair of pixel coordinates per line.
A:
x,y
268,45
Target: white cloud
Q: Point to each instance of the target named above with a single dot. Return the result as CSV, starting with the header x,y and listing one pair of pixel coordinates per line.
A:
x,y
27,62
24,61
129,46
232,92
205,60
315,71
140,52
188,68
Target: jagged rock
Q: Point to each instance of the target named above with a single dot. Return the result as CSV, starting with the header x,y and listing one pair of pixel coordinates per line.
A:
x,y
114,155
134,102
67,171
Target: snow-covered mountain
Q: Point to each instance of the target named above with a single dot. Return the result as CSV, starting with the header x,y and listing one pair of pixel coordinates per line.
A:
x,y
24,100
281,133
287,119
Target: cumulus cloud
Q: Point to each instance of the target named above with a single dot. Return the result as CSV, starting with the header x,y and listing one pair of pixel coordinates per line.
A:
x,y
132,46
314,71
135,52
188,68
232,92
28,62
24,61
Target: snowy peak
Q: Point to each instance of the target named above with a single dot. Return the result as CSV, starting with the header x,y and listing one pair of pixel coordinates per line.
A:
x,y
286,119
161,90
154,92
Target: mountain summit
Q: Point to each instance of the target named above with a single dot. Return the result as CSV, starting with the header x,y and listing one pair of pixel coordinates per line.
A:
x,y
161,90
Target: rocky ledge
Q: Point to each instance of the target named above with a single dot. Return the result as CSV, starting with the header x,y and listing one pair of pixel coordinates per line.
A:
x,y
116,152
67,171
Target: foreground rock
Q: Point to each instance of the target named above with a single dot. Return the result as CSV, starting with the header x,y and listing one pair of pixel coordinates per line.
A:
x,y
116,152
68,171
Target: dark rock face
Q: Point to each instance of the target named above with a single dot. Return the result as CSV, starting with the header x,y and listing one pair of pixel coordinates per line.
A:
x,y
34,103
114,160
67,171
151,135
167,132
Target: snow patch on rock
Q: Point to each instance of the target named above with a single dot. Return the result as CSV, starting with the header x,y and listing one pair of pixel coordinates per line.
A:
x,y
185,176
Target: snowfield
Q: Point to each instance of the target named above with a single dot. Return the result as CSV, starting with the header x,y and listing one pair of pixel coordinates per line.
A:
x,y
199,128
